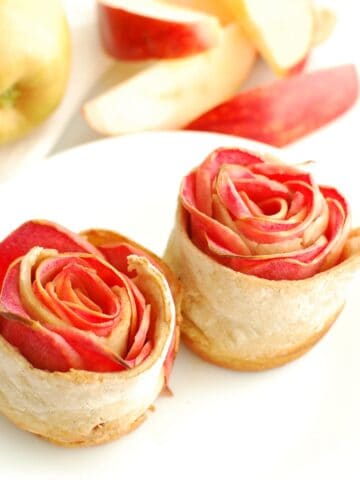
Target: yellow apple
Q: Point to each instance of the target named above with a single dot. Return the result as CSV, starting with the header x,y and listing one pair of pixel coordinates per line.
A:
x,y
34,63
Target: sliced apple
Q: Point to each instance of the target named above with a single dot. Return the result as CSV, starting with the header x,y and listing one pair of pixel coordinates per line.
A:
x,y
285,111
282,30
324,24
149,29
172,93
213,7
324,18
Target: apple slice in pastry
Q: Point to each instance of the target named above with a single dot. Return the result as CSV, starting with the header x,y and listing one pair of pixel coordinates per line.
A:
x,y
265,256
88,333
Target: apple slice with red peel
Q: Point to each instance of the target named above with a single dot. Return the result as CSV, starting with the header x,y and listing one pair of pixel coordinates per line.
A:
x,y
170,94
282,30
97,357
58,349
72,348
140,338
149,29
41,233
286,110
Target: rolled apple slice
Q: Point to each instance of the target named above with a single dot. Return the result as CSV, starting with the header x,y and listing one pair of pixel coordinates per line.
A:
x,y
88,333
265,256
142,30
286,110
170,94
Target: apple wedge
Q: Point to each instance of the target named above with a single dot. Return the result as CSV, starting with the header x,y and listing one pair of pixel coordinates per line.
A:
x,y
282,30
172,93
149,29
286,110
324,24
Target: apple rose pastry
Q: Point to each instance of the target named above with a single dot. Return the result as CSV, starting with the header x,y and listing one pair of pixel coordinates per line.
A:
x,y
265,256
88,332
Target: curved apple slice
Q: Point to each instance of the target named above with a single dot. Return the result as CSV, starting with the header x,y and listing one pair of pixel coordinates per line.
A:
x,y
58,348
40,233
286,110
44,349
97,357
116,249
141,30
16,291
139,341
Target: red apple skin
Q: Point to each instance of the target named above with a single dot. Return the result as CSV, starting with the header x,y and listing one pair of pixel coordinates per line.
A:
x,y
42,234
43,348
299,67
130,36
284,111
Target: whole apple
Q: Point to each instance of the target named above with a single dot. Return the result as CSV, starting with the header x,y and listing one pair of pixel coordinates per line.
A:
x,y
34,63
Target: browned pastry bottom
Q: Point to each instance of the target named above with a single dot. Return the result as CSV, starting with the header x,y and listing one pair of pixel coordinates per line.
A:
x,y
102,433
197,342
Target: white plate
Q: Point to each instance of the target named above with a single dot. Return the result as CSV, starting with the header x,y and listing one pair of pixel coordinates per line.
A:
x,y
299,421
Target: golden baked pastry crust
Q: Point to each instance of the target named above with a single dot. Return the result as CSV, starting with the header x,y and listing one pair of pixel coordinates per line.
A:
x,y
196,342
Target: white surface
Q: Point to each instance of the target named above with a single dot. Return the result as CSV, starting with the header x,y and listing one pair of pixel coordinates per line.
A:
x,y
297,422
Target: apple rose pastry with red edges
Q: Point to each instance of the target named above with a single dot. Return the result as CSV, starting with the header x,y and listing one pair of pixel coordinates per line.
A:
x,y
88,332
264,255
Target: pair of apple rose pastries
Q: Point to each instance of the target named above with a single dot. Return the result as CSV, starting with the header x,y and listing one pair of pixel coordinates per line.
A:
x,y
90,323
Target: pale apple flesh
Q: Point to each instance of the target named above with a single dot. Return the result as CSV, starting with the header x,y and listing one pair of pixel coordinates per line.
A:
x,y
324,19
34,63
324,24
284,111
170,94
213,7
282,30
149,29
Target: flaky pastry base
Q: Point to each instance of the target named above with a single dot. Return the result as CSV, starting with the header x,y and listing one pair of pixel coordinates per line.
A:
x,y
87,408
243,322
